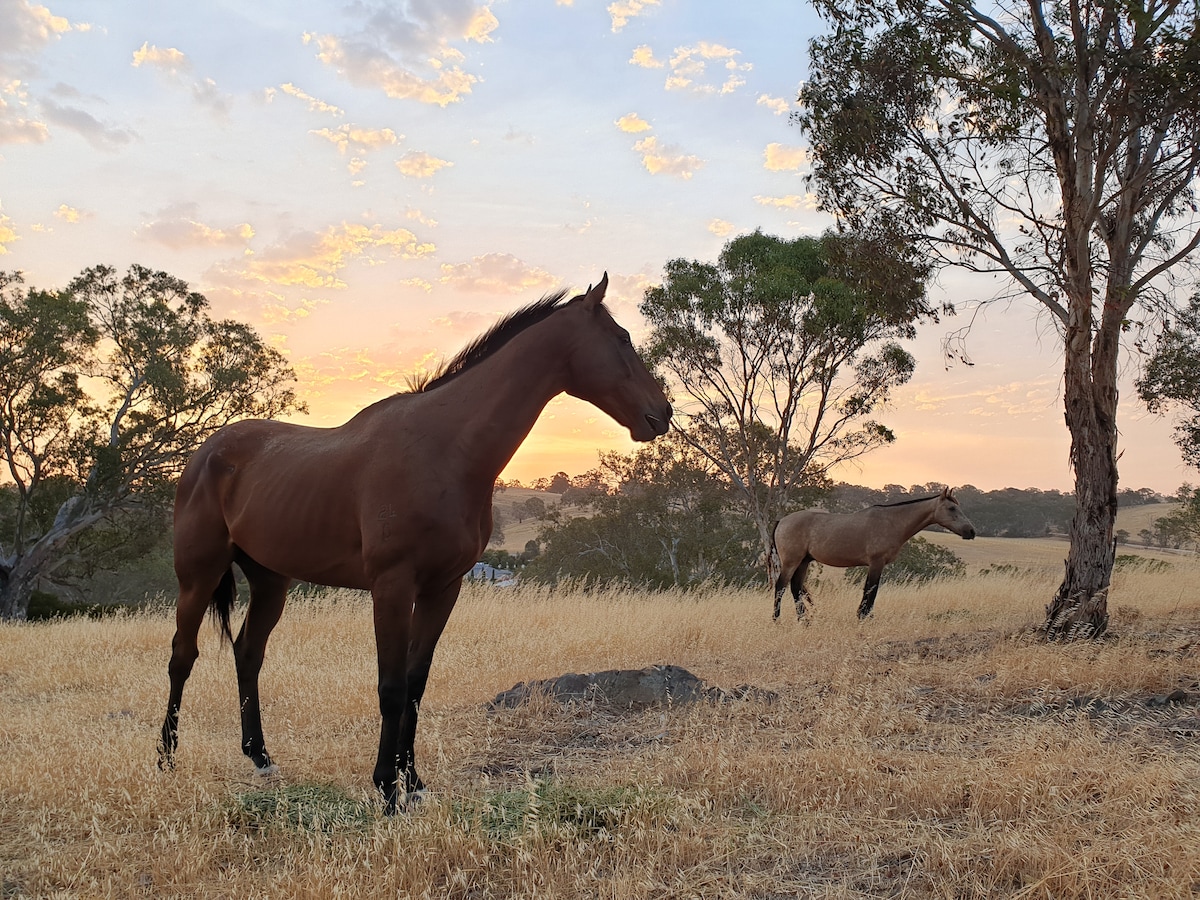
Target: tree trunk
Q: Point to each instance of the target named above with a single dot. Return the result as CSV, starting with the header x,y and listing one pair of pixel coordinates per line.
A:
x,y
16,590
1080,608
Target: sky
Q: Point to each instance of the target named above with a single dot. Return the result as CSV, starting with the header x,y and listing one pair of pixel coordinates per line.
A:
x,y
371,184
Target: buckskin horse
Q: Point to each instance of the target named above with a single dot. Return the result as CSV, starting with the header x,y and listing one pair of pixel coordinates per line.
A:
x,y
870,537
397,501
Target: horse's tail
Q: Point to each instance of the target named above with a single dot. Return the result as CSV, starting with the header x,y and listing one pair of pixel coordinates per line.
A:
x,y
222,603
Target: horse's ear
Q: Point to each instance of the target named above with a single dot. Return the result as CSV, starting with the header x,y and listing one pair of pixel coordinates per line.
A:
x,y
947,494
595,295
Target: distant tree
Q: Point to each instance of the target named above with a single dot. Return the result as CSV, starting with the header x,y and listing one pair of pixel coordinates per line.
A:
x,y
1182,525
532,551
534,507
668,523
1171,378
106,388
779,355
1056,144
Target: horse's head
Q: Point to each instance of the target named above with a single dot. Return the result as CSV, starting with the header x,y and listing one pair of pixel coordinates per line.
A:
x,y
949,515
606,371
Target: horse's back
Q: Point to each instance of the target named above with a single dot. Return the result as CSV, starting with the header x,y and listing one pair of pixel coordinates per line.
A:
x,y
835,539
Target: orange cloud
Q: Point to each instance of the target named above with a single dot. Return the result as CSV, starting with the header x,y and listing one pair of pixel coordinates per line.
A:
x,y
421,165
666,159
778,158
498,273
624,10
313,104
791,201
361,139
7,235
632,123
374,68
314,260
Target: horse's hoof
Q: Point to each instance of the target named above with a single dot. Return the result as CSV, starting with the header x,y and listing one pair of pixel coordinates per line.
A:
x,y
271,771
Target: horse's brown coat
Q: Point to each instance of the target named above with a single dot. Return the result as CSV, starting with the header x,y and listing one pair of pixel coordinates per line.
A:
x,y
870,537
397,501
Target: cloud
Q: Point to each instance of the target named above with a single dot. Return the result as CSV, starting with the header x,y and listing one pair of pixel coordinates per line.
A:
x,y
178,228
25,28
777,105
173,64
408,51
313,104
791,201
67,213
314,260
15,128
720,227
420,165
666,159
169,60
416,215
83,123
643,56
498,273
7,235
279,313
778,158
690,69
632,123
361,139
624,10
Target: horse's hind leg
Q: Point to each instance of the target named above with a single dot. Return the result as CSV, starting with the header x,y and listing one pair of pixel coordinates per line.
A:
x,y
800,593
781,584
195,596
268,593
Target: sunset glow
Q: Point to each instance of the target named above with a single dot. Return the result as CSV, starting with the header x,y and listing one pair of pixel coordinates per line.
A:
x,y
371,185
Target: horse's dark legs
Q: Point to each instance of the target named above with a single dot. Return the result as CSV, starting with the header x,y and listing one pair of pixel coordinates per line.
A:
x,y
393,595
189,613
781,584
800,593
268,593
870,589
429,620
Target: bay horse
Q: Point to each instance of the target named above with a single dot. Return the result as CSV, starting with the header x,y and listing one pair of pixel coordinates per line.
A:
x,y
397,501
870,537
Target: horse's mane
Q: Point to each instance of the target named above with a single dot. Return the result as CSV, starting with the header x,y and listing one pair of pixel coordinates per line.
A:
x,y
907,502
492,340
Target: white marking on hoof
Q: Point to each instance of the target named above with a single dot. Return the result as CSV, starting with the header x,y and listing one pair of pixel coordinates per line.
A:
x,y
416,797
267,771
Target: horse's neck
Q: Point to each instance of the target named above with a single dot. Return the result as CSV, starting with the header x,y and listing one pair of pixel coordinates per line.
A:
x,y
917,516
495,403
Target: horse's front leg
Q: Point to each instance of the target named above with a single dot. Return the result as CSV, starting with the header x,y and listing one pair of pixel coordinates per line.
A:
x,y
429,619
393,595
870,589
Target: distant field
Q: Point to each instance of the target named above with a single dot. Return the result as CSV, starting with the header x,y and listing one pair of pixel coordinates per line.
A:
x,y
980,553
939,750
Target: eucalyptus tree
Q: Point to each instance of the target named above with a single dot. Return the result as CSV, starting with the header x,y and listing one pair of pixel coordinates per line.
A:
x,y
106,388
780,353
1055,144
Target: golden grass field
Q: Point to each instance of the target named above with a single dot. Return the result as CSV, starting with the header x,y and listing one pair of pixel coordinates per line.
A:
x,y
938,750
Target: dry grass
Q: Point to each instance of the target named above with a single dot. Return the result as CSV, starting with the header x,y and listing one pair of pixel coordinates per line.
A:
x,y
939,750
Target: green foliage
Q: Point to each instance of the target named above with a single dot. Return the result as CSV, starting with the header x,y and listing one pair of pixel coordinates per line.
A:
x,y
1131,562
1171,378
668,523
106,389
919,561
780,352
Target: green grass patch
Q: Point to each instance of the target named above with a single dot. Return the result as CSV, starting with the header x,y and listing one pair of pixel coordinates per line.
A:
x,y
305,807
563,809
